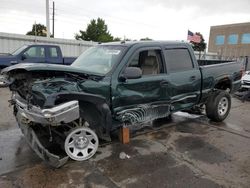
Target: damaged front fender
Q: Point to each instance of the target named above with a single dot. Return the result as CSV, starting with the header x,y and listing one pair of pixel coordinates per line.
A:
x,y
93,108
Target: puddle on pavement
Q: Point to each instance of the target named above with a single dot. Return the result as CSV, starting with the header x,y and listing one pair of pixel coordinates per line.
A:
x,y
177,176
15,152
234,127
191,127
74,174
198,149
7,126
188,115
227,125
152,169
137,165
159,135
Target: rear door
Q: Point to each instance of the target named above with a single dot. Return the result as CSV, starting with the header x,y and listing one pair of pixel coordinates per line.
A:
x,y
142,99
54,55
184,77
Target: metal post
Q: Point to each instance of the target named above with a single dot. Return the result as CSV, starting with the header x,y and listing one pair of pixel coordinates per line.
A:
x,y
246,65
47,18
53,20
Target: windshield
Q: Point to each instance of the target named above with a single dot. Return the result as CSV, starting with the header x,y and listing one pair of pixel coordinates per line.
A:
x,y
99,59
18,51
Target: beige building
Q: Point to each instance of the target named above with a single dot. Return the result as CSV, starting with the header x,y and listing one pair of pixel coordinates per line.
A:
x,y
230,41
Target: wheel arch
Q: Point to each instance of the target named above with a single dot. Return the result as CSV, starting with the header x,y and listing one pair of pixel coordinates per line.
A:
x,y
223,84
93,108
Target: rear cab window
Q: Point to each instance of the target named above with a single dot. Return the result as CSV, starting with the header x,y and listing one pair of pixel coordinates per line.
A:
x,y
53,52
178,59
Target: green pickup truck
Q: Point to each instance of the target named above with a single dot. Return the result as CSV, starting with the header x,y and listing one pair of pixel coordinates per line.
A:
x,y
112,85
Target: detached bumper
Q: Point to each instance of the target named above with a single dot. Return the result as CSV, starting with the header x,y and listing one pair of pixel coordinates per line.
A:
x,y
63,113
32,139
26,114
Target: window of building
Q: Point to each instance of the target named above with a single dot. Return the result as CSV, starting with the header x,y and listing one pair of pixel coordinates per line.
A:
x,y
178,60
53,52
245,39
232,39
220,39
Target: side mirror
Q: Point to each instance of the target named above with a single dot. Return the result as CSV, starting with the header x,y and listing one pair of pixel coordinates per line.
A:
x,y
131,73
23,57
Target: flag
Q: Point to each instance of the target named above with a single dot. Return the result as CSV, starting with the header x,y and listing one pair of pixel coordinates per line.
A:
x,y
193,37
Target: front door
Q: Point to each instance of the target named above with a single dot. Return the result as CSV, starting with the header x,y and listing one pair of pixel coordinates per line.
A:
x,y
143,99
34,54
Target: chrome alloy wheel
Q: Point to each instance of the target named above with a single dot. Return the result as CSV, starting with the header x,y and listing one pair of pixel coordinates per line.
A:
x,y
81,144
223,106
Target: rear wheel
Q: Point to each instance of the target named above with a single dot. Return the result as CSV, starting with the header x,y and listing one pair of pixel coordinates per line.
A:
x,y
218,106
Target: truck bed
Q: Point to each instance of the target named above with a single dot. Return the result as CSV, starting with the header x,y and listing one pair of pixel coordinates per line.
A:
x,y
68,60
216,71
211,62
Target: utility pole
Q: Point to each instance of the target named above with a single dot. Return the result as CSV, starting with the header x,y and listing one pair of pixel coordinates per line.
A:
x,y
47,19
35,29
53,20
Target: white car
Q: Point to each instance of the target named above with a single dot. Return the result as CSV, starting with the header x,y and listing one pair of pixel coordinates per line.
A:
x,y
245,80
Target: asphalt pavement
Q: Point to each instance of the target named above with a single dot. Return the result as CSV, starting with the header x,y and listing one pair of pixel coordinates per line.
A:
x,y
187,151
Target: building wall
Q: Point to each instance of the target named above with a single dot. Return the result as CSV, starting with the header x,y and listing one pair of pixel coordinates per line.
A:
x,y
10,42
226,49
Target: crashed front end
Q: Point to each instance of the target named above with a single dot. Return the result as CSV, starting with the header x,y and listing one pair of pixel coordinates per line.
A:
x,y
50,108
29,115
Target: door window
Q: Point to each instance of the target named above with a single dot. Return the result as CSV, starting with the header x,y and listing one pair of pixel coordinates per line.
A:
x,y
53,52
35,52
149,61
178,60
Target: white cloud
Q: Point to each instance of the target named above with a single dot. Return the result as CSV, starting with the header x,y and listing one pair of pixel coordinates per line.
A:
x,y
157,19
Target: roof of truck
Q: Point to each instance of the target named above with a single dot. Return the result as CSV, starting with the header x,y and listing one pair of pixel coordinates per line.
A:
x,y
146,43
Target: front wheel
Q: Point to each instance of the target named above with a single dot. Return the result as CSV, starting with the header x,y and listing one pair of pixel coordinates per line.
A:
x,y
218,106
81,143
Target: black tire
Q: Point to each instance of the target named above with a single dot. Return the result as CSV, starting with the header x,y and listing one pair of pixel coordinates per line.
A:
x,y
218,106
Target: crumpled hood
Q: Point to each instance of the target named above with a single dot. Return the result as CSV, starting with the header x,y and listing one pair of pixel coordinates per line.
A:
x,y
42,80
35,67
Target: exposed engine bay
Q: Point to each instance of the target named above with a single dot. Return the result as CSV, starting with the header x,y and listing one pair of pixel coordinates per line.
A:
x,y
52,110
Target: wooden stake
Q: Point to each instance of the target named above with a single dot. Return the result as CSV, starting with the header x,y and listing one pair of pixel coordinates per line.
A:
x,y
124,135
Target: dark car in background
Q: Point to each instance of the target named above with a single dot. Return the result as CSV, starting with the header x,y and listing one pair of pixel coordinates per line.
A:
x,y
36,53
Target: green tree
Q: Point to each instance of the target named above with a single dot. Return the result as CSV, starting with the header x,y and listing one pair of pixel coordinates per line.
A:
x,y
96,31
201,46
117,39
38,30
145,39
